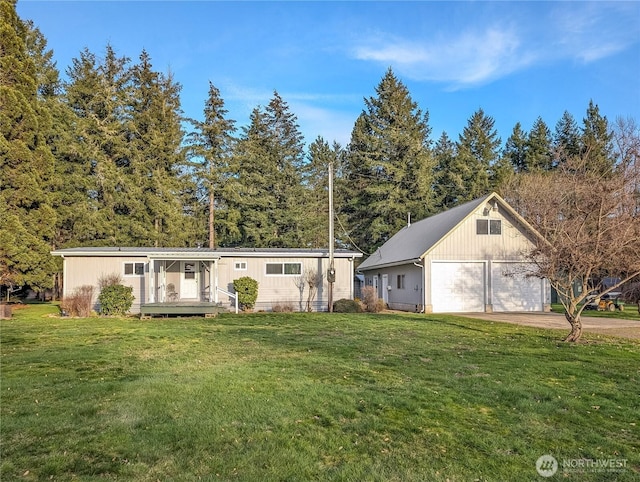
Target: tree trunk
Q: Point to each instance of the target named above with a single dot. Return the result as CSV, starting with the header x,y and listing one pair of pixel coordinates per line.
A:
x,y
5,311
576,327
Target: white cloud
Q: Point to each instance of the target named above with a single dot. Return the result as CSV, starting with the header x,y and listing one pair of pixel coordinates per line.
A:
x,y
472,57
514,40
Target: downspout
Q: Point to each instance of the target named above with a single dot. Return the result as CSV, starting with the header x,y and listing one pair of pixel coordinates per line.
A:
x,y
421,266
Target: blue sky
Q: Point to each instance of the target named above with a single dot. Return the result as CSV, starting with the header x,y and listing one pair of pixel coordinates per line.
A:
x,y
515,60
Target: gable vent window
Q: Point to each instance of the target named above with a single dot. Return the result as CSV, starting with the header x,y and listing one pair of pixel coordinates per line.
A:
x,y
489,226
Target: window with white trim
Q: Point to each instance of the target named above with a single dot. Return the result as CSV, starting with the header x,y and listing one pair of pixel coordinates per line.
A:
x,y
240,266
283,269
134,269
489,226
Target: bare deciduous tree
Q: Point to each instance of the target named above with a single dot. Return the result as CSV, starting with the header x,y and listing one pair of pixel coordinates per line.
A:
x,y
312,280
590,222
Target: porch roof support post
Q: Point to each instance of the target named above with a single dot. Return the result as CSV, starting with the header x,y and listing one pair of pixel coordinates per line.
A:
x,y
152,284
213,281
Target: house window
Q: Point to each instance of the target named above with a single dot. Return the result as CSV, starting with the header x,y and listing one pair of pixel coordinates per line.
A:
x,y
489,226
134,269
189,271
400,281
240,266
284,269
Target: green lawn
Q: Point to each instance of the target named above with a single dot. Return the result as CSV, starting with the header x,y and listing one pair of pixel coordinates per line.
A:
x,y
310,397
630,312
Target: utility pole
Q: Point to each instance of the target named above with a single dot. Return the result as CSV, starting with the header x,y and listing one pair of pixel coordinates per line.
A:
x,y
212,231
331,274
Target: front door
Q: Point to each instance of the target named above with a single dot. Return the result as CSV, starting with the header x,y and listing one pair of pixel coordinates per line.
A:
x,y
385,288
189,282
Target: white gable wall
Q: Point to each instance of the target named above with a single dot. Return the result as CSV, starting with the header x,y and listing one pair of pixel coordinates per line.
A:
x,y
478,260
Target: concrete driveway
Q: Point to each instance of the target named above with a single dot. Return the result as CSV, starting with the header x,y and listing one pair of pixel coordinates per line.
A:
x,y
604,326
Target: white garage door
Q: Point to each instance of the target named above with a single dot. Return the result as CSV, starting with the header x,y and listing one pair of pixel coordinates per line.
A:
x,y
512,291
457,287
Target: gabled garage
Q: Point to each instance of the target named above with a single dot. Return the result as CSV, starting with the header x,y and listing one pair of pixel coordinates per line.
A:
x,y
464,260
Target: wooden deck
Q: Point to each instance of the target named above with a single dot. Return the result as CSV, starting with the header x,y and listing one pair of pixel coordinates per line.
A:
x,y
181,308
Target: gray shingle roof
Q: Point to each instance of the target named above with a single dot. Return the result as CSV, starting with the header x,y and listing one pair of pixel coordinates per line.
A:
x,y
413,241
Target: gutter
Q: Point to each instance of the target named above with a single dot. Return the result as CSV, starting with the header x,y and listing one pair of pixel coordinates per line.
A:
x,y
424,295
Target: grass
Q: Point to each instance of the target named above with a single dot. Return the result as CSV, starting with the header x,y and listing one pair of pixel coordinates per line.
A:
x,y
309,397
630,312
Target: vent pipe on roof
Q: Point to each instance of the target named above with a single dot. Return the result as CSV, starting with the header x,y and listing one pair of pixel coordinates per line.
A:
x,y
408,219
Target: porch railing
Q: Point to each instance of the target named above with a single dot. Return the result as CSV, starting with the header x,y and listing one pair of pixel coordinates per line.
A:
x,y
232,295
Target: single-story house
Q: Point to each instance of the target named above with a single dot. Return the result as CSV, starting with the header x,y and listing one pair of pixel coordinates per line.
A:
x,y
197,278
467,259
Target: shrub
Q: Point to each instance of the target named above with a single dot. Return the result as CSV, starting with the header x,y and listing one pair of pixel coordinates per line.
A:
x,y
79,303
372,303
116,299
347,306
109,280
285,307
247,290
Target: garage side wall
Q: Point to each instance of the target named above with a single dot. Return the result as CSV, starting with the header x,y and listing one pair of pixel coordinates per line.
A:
x,y
404,291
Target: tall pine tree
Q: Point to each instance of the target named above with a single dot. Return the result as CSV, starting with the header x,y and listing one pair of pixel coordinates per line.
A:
x,y
448,182
98,93
389,165
155,135
322,157
515,149
265,190
210,148
596,141
566,139
477,152
539,151
27,219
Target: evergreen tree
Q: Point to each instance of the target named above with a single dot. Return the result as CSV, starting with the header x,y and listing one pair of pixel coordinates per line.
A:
x,y
98,94
322,156
210,146
448,182
265,191
27,220
539,148
566,140
596,141
477,152
389,165
155,135
515,149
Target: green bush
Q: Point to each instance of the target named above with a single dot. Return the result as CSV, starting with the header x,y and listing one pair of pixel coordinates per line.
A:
x,y
347,306
247,290
116,299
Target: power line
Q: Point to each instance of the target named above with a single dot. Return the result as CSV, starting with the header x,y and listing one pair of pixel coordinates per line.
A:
x,y
350,239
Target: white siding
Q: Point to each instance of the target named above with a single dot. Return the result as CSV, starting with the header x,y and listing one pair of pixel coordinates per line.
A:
x,y
463,244
80,270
